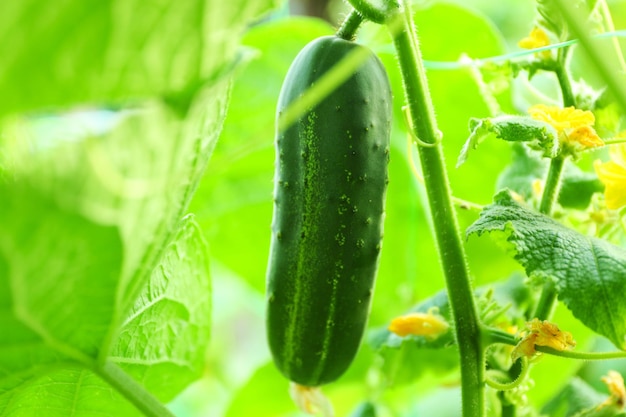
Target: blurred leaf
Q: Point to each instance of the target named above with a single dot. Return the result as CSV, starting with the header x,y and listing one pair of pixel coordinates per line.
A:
x,y
70,52
588,271
577,186
573,400
366,409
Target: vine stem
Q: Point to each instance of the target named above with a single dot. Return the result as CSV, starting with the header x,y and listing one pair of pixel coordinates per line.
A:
x,y
547,299
493,336
132,390
445,225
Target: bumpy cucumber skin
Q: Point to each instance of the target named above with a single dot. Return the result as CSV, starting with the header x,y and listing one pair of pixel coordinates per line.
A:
x,y
329,193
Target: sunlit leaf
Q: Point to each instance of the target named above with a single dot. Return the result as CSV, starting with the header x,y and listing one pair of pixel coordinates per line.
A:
x,y
588,272
62,53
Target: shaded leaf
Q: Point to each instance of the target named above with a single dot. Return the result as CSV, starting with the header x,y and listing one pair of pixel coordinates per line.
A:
x,y
577,187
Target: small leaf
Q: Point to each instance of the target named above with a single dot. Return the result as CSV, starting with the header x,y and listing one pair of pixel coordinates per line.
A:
x,y
537,134
589,272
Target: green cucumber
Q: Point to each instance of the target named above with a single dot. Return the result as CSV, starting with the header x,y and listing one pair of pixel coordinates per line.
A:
x,y
329,193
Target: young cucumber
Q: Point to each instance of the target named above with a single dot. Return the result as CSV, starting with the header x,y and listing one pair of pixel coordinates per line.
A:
x,y
330,182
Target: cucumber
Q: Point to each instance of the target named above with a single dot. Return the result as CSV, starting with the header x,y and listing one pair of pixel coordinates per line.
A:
x,y
329,193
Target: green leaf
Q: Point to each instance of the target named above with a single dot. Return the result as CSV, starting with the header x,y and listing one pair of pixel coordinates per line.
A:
x,y
406,359
114,50
164,339
577,187
526,167
162,344
576,397
588,271
538,134
61,392
59,265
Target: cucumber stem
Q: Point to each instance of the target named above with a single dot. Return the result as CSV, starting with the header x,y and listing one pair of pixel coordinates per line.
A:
x,y
446,229
350,25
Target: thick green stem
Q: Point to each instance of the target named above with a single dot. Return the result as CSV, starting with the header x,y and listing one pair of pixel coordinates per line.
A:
x,y
132,391
446,230
350,25
552,186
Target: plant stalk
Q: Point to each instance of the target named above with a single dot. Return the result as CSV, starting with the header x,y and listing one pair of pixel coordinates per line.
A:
x,y
132,390
547,299
445,225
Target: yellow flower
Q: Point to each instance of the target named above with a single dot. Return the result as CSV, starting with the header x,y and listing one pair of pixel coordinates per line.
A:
x,y
615,382
613,176
430,325
536,39
572,125
542,333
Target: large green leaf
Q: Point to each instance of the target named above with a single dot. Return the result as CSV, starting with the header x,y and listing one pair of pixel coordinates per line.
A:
x,y
62,53
589,272
52,334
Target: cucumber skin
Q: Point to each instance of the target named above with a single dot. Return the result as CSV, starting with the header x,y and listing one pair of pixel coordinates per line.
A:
x,y
329,193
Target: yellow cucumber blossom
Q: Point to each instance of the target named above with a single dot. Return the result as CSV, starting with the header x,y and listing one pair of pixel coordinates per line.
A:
x,y
574,126
537,38
613,175
542,333
615,383
430,325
